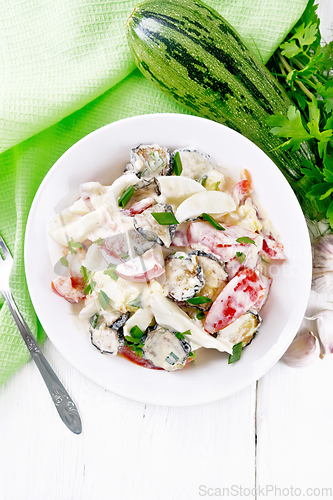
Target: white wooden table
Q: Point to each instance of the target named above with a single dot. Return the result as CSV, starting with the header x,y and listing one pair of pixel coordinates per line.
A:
x,y
275,436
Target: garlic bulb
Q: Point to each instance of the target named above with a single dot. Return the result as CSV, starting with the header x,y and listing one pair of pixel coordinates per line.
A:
x,y
303,350
325,331
322,267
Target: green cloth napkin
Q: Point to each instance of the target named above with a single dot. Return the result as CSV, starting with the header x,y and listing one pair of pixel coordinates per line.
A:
x,y
65,70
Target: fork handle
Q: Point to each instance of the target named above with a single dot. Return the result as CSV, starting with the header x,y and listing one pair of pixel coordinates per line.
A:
x,y
60,397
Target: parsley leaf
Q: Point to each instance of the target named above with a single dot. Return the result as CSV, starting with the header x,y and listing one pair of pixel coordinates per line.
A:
x,y
240,256
72,244
88,281
246,239
304,68
103,299
64,261
110,271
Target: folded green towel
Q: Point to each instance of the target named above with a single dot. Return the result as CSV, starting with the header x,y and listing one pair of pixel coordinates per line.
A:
x,y
65,70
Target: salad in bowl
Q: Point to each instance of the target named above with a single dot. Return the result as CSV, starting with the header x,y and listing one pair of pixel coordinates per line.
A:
x,y
172,257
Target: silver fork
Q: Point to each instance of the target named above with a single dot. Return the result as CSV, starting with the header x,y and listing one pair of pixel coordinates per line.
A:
x,y
63,402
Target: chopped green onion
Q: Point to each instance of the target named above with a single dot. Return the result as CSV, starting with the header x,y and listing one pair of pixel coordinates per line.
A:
x,y
246,239
134,340
165,218
180,335
203,179
64,261
126,196
136,302
93,320
177,164
136,332
217,186
103,299
213,222
171,358
236,353
240,256
156,162
199,300
200,314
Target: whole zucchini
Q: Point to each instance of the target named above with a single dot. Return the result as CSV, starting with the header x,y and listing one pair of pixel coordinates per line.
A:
x,y
192,54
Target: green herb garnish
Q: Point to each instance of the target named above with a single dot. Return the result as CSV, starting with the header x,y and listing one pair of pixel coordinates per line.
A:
x,y
124,255
246,239
133,341
93,321
136,302
99,241
64,261
165,218
192,355
200,314
172,358
199,300
203,179
240,256
136,332
72,245
217,186
110,271
126,196
177,164
181,336
89,283
304,68
236,353
103,299
213,222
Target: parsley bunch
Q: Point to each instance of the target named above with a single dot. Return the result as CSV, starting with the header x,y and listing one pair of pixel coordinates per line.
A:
x,y
303,64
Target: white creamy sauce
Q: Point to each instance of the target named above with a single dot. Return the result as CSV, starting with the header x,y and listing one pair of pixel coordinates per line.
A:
x,y
168,314
119,266
105,339
194,164
164,350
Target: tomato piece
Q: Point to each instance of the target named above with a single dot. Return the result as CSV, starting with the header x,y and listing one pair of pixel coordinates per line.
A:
x,y
243,188
113,248
129,354
220,243
271,249
141,269
71,289
237,297
179,239
268,283
138,207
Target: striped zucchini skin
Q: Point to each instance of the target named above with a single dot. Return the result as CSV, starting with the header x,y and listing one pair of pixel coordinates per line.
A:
x,y
192,54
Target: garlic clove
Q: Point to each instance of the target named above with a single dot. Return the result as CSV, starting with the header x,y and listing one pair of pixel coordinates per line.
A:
x,y
322,265
302,351
325,331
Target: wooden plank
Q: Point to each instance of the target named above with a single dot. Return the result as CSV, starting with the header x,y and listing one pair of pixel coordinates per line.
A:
x,y
127,449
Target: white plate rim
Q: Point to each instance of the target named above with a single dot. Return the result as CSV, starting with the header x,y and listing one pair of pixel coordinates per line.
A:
x,y
284,339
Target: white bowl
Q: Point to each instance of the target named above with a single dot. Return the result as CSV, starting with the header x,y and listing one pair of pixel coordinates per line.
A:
x,y
101,156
